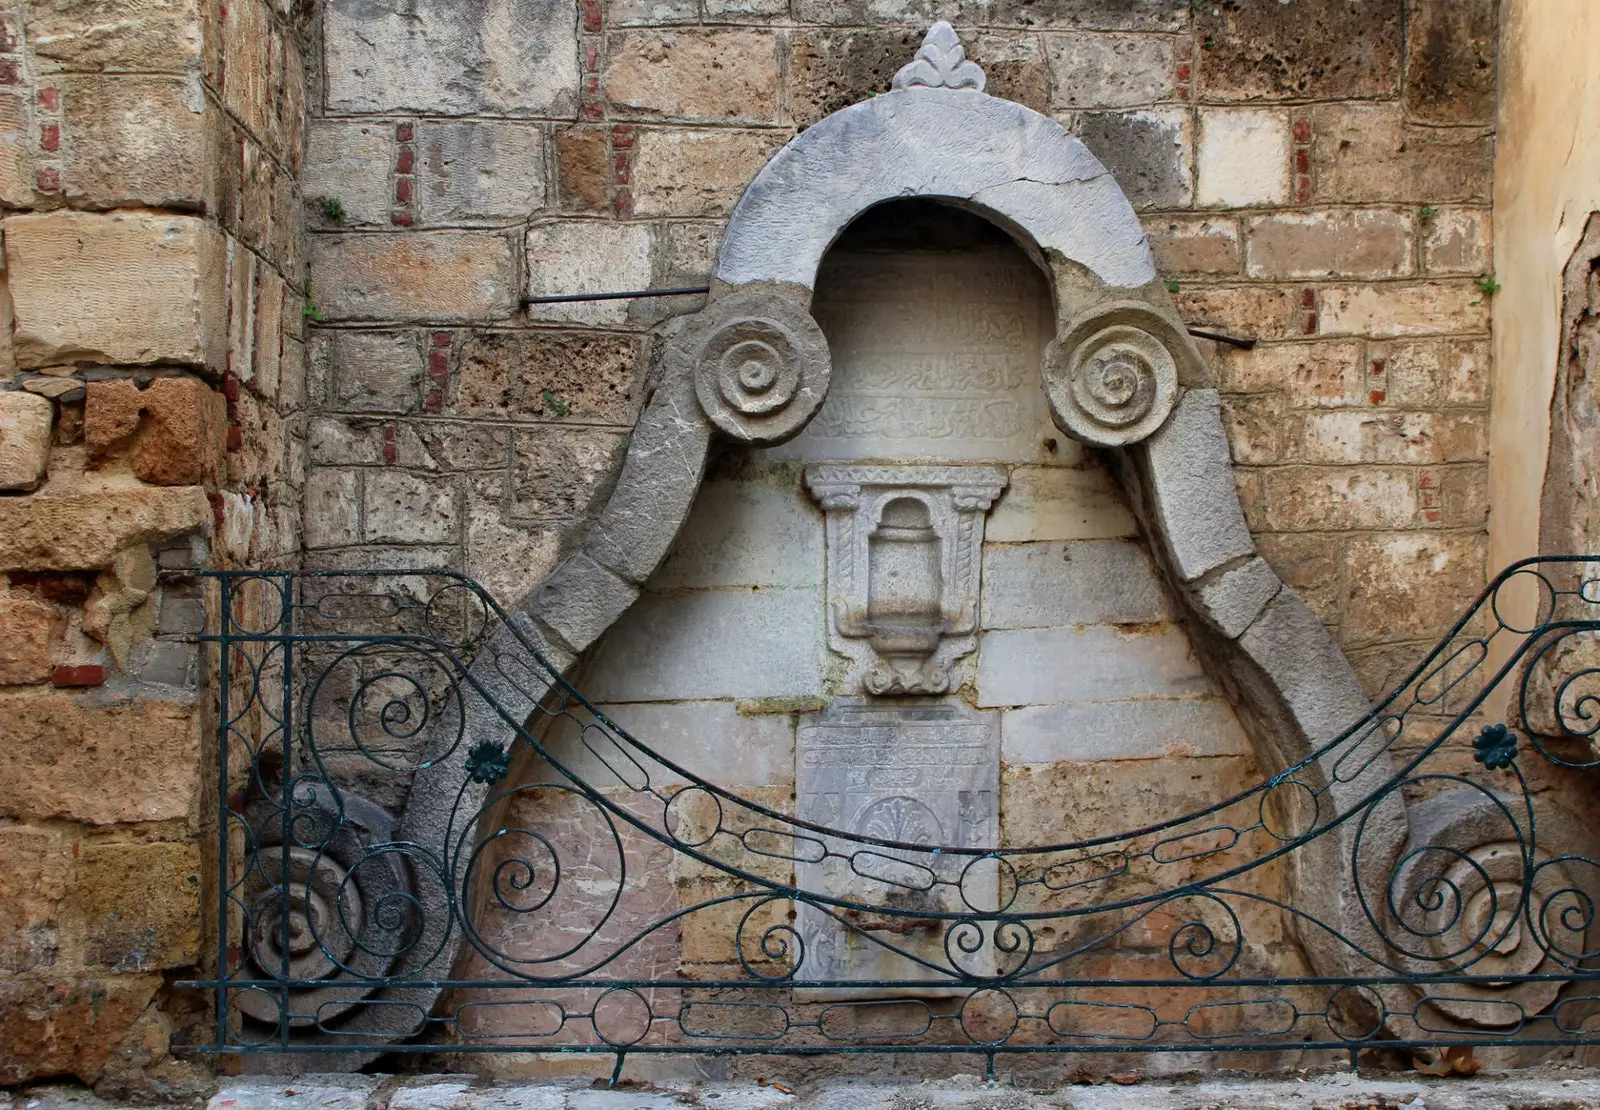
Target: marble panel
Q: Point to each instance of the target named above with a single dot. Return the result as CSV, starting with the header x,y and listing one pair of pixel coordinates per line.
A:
x,y
1042,666
1156,728
1045,585
761,531
1061,503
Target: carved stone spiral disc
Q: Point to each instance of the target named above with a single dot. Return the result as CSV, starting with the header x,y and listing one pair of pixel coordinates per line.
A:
x,y
1113,377
761,366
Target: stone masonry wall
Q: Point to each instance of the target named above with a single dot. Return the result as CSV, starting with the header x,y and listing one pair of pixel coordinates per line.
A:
x,y
1315,175
151,398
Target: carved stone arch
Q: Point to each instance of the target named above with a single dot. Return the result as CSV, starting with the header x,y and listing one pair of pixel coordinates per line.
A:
x,y
752,366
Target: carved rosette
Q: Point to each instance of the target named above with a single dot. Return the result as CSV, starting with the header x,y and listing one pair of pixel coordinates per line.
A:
x,y
761,366
1112,377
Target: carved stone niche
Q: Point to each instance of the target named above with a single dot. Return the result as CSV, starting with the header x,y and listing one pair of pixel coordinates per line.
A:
x,y
904,550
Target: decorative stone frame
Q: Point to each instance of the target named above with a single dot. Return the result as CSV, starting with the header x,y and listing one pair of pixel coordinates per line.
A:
x,y
752,367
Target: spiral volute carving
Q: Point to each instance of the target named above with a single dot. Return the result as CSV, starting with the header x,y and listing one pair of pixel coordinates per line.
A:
x,y
1112,377
760,364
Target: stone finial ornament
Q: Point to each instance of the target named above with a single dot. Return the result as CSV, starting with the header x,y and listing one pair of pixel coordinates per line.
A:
x,y
761,366
940,64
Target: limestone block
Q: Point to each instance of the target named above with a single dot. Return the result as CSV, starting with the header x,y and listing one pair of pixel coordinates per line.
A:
x,y
1092,15
82,36
1043,585
712,739
720,76
1194,244
1337,243
399,507
332,508
1272,311
350,161
650,13
1312,498
482,171
1149,728
581,600
26,422
1433,371
85,531
429,275
593,377
124,289
136,141
1302,665
669,647
1409,586
1060,503
1192,486
583,169
1316,52
29,631
35,862
745,533
98,763
586,256
246,33
1040,666
63,1026
1450,60
16,151
1149,152
1401,437
1368,153
1242,158
372,371
1429,308
1314,375
177,428
1233,599
137,904
326,1092
1015,65
507,557
833,69
453,57
560,473
696,172
1457,241
1111,71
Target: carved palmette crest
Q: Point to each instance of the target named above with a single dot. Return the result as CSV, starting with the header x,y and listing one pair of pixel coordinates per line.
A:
x,y
941,63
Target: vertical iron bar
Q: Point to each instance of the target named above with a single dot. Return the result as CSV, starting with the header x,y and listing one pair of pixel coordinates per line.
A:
x,y
286,631
224,972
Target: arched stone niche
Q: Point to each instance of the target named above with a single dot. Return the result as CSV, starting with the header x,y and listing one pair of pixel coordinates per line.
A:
x,y
1119,374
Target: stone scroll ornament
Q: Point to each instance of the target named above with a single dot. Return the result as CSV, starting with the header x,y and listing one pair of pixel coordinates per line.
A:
x,y
761,366
1112,376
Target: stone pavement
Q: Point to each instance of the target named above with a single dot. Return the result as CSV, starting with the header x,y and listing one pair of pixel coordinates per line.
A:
x,y
1550,1088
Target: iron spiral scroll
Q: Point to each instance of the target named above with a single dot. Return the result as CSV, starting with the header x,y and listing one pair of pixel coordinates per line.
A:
x,y
583,892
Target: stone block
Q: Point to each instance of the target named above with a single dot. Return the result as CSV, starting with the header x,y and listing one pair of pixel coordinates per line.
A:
x,y
696,173
35,863
1111,71
1042,666
1149,152
453,57
1194,244
1060,503
583,169
586,256
99,763
82,36
135,141
480,171
1315,375
1044,585
174,431
650,13
1242,158
507,558
562,473
371,371
1410,586
1259,311
1338,243
593,378
832,69
1233,599
1384,311
54,1027
137,904
1310,499
1368,153
1015,67
1260,428
246,45
1303,50
350,161
755,534
1433,371
712,739
431,275
1089,15
1149,728
399,507
581,600
85,531
1450,60
26,423
1191,479
126,289
745,10
1394,437
30,630
720,76
1310,565
674,646
17,173
332,508
1457,241
1302,665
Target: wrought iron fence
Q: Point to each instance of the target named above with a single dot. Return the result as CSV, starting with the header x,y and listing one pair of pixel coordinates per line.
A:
x,y
577,890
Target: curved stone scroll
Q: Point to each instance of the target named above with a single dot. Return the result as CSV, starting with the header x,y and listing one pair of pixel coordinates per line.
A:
x,y
760,363
1112,376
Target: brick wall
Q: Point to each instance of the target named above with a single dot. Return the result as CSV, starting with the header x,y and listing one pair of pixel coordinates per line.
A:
x,y
151,411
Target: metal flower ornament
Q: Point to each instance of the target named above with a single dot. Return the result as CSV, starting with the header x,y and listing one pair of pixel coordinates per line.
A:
x,y
1495,747
487,762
